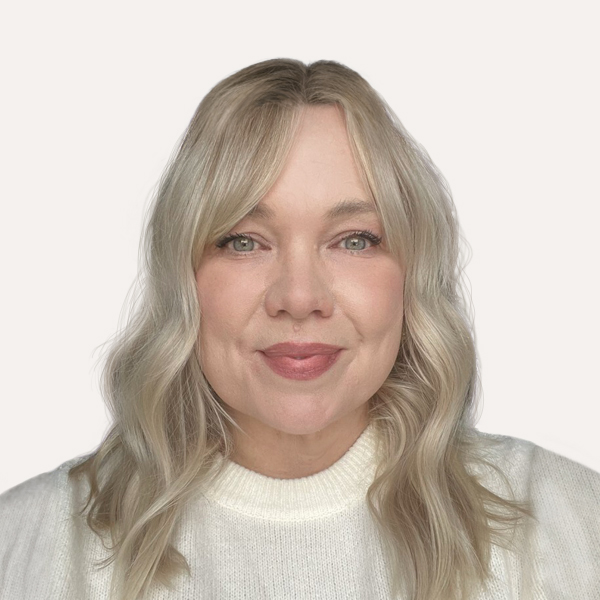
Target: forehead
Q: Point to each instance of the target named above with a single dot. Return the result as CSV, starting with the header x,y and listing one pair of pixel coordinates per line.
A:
x,y
345,208
320,175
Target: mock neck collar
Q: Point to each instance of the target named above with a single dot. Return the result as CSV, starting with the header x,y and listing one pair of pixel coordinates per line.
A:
x,y
341,485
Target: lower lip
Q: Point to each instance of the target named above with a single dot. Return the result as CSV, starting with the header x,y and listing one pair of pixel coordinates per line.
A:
x,y
303,369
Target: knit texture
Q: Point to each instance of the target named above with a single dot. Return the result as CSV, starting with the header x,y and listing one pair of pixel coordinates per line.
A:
x,y
249,536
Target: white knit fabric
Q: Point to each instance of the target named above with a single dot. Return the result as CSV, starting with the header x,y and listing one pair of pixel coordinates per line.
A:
x,y
252,537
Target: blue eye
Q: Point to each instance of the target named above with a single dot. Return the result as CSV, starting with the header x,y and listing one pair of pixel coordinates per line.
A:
x,y
234,237
246,240
369,235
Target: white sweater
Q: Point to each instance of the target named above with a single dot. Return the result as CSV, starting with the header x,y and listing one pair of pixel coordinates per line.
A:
x,y
254,537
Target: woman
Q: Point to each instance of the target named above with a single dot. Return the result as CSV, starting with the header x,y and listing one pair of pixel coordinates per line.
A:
x,y
293,398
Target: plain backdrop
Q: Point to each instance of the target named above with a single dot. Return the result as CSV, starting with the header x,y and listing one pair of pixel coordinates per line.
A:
x,y
504,97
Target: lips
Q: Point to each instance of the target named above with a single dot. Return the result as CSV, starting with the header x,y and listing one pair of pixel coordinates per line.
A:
x,y
302,368
295,349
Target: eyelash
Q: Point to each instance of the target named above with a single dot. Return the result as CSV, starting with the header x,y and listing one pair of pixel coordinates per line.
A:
x,y
367,234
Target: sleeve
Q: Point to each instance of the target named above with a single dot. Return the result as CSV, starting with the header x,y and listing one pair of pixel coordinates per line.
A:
x,y
566,501
33,516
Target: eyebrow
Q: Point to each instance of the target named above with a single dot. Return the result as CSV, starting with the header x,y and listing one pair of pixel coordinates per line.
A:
x,y
344,208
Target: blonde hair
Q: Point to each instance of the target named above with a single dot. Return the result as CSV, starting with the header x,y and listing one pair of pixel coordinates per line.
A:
x,y
436,520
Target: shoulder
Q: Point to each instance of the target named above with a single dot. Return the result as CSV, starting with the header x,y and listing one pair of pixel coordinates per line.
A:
x,y
558,479
37,494
34,522
542,475
564,498
503,463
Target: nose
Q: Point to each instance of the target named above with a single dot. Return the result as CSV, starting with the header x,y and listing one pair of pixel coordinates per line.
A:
x,y
299,285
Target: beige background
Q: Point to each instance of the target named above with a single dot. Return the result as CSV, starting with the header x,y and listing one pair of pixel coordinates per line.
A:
x,y
504,97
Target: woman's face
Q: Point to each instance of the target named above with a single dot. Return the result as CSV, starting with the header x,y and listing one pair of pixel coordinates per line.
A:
x,y
302,277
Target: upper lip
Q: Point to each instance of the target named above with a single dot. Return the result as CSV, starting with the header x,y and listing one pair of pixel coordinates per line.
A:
x,y
298,349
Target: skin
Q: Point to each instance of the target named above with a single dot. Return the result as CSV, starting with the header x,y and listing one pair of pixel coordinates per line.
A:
x,y
299,281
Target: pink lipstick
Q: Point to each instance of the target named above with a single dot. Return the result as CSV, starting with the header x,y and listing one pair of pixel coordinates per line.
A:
x,y
301,361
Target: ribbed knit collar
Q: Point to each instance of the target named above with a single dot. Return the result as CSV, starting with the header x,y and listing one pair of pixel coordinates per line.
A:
x,y
339,486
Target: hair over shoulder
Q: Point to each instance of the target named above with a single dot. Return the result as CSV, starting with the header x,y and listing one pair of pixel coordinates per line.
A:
x,y
169,427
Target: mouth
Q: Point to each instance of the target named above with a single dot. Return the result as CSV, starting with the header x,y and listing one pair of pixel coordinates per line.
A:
x,y
302,350
301,367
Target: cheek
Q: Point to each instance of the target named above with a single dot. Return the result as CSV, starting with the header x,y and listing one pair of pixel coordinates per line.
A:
x,y
216,322
375,296
225,300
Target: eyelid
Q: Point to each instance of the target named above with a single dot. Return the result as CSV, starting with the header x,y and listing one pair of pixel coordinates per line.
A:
x,y
367,234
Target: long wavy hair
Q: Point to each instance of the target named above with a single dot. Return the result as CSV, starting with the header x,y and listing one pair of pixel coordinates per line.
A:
x,y
436,518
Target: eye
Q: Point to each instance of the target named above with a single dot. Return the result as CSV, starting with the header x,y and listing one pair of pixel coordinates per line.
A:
x,y
244,244
374,240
